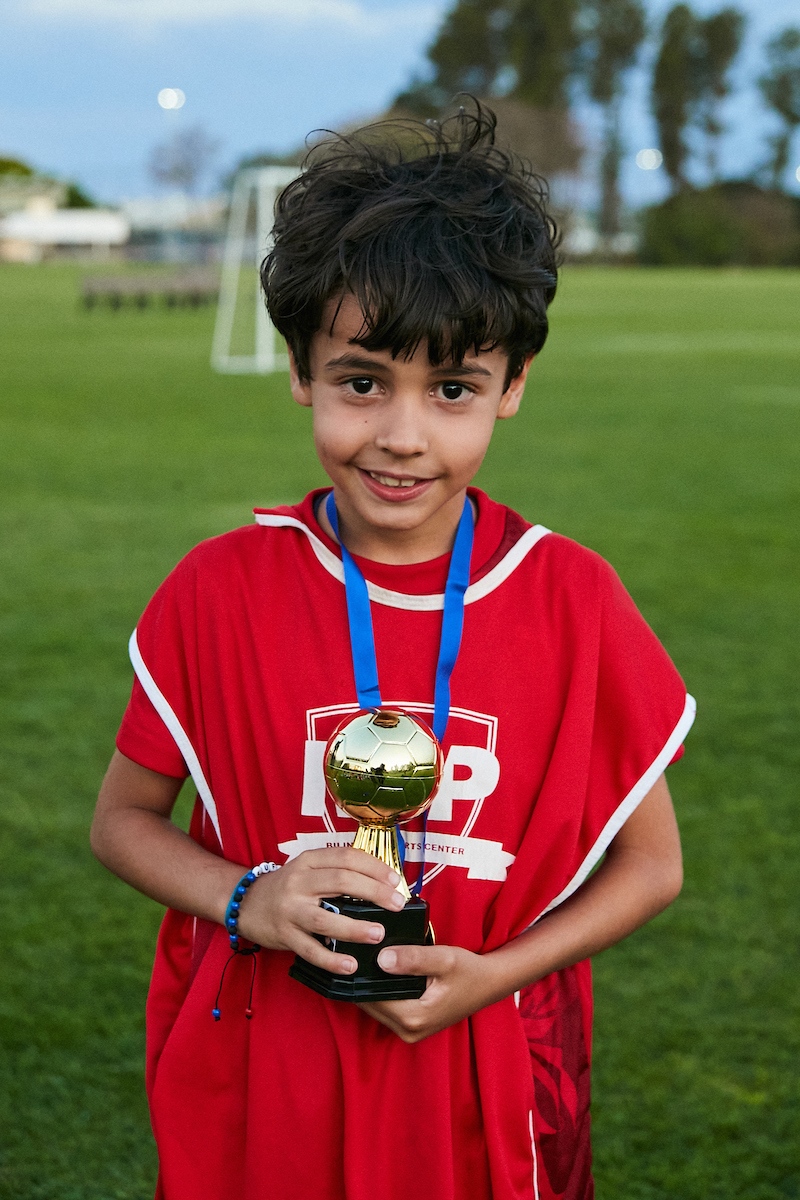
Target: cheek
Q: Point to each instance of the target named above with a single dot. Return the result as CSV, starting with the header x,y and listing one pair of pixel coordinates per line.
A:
x,y
338,436
467,447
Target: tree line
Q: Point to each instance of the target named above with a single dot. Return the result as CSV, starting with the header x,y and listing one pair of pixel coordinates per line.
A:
x,y
544,54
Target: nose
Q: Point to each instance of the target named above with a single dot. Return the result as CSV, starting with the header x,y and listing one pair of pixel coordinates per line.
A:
x,y
402,432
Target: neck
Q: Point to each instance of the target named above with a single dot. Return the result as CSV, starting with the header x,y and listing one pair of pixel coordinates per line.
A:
x,y
398,547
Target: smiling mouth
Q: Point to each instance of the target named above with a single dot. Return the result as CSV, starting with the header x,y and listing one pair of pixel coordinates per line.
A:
x,y
394,481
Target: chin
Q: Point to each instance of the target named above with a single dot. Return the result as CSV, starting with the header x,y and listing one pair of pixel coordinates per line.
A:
x,y
396,519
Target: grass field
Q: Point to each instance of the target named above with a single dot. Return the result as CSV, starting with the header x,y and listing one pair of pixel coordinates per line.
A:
x,y
662,427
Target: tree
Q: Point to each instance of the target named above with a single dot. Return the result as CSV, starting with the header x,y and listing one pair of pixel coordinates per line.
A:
x,y
542,38
675,88
517,48
690,80
76,197
517,55
181,161
467,55
780,87
546,137
470,49
613,31
733,222
721,38
13,166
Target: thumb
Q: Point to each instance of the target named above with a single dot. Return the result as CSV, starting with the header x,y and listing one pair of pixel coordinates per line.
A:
x,y
410,960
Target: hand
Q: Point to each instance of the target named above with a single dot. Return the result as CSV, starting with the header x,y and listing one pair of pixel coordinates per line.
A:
x,y
459,983
282,909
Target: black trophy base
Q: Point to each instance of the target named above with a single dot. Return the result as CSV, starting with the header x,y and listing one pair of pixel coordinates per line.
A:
x,y
408,927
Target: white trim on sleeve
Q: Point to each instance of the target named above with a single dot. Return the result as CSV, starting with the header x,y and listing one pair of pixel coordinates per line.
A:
x,y
631,802
430,603
179,734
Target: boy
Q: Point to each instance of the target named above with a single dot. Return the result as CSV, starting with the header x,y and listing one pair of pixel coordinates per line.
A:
x,y
411,282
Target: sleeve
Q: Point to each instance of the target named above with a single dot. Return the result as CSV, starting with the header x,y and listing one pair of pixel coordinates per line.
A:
x,y
631,715
642,710
623,716
144,737
160,650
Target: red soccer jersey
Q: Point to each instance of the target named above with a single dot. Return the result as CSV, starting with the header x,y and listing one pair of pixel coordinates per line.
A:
x,y
565,711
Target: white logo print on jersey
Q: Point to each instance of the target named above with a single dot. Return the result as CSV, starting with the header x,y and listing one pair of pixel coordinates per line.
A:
x,y
471,774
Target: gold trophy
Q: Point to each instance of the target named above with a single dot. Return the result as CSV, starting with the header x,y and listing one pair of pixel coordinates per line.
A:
x,y
383,768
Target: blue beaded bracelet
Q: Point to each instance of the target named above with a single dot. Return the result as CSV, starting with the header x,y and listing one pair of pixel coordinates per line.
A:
x,y
232,926
239,893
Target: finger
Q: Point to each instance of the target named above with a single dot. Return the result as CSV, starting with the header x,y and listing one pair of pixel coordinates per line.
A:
x,y
315,953
344,929
351,860
407,1018
341,882
380,1011
390,1012
414,960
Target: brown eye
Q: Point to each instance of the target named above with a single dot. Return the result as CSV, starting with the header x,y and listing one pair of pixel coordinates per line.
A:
x,y
452,391
363,385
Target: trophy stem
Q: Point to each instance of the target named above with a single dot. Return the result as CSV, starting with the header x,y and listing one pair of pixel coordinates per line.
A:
x,y
382,843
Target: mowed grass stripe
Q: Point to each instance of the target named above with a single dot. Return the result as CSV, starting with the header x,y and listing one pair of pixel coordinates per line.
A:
x,y
716,341
659,426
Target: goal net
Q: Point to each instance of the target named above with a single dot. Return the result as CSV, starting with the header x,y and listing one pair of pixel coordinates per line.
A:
x,y
245,341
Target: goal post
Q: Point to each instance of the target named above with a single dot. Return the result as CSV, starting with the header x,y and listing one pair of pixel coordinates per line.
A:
x,y
241,312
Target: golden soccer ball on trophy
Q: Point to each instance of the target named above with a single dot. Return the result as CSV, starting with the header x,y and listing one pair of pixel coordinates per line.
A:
x,y
383,767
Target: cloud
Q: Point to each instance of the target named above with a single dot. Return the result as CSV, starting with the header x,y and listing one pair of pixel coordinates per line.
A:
x,y
354,15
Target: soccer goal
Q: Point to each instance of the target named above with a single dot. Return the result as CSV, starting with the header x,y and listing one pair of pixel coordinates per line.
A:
x,y
244,337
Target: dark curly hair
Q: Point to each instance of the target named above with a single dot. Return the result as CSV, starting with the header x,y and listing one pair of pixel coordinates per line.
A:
x,y
441,236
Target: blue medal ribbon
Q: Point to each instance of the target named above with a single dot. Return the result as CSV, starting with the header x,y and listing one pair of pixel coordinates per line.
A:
x,y
362,637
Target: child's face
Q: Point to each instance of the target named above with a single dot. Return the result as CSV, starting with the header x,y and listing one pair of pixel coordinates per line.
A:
x,y
400,439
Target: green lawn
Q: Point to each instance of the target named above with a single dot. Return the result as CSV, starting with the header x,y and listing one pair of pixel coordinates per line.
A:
x,y
662,427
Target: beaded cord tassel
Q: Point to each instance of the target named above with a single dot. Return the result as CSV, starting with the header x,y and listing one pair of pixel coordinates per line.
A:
x,y
216,1011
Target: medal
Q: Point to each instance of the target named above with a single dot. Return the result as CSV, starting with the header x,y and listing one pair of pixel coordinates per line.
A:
x,y
383,767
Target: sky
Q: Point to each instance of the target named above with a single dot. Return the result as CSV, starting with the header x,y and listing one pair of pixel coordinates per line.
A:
x,y
79,81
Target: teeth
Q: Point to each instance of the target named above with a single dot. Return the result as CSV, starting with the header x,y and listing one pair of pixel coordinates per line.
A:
x,y
390,481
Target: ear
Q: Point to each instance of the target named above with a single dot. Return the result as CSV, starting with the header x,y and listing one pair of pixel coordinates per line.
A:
x,y
512,396
301,389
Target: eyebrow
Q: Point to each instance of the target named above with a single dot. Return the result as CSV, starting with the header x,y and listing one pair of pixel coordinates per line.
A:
x,y
369,366
353,362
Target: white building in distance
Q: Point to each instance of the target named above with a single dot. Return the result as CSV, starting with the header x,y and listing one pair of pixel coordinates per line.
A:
x,y
41,229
